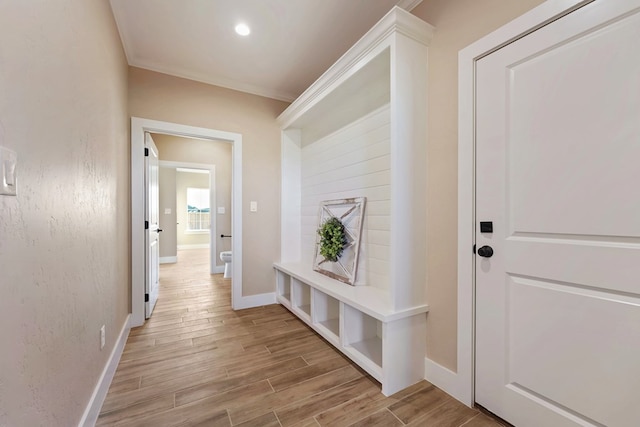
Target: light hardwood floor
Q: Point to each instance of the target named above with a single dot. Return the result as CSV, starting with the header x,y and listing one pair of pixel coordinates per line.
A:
x,y
197,362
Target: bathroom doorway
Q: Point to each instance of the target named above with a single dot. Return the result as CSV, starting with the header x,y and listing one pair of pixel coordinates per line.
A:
x,y
195,198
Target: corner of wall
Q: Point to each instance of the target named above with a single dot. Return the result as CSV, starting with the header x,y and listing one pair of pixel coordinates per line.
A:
x,y
448,381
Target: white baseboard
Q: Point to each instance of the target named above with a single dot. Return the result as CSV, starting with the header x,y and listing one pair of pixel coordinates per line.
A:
x,y
92,411
255,300
198,246
168,259
218,269
445,379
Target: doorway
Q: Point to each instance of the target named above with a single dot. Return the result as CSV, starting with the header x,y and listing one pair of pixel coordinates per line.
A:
x,y
188,204
188,167
138,128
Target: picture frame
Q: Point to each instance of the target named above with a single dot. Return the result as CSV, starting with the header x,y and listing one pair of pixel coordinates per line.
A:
x,y
350,212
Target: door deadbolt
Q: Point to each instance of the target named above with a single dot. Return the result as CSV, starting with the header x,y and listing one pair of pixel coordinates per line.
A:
x,y
485,252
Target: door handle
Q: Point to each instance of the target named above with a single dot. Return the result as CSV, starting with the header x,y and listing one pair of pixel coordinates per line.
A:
x,y
159,230
485,251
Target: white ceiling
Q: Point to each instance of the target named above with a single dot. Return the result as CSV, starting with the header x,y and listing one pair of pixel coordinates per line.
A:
x,y
292,42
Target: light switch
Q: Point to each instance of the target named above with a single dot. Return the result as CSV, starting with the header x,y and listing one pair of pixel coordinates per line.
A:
x,y
8,178
253,206
167,211
221,210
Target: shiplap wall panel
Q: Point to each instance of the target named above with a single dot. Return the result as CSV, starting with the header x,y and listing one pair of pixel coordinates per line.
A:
x,y
374,207
346,158
352,162
352,171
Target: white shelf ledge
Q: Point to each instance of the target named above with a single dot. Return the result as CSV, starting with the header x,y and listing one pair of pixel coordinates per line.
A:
x,y
367,299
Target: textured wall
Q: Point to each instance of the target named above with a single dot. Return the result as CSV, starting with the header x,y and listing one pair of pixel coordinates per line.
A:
x,y
64,241
458,24
161,97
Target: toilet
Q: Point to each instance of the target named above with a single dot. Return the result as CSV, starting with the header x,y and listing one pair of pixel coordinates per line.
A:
x,y
226,258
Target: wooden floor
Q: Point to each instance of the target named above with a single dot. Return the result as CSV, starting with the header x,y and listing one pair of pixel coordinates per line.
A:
x,y
197,362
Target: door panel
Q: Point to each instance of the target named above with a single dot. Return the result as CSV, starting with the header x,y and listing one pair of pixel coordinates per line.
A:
x,y
561,155
558,155
558,345
152,215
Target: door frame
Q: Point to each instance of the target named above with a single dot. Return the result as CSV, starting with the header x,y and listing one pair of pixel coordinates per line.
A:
x,y
461,385
211,168
138,127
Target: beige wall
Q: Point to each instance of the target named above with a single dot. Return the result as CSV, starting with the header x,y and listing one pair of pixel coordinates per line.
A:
x,y
217,153
162,97
167,222
458,24
64,240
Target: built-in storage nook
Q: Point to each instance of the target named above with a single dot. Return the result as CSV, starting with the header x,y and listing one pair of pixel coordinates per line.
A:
x,y
360,131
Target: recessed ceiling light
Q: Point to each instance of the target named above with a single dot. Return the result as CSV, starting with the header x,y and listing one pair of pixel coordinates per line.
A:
x,y
243,29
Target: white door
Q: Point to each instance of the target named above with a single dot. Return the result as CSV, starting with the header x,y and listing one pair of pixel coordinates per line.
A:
x,y
152,208
558,175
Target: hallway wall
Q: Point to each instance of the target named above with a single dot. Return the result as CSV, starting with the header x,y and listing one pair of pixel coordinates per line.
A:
x,y
64,240
458,24
168,221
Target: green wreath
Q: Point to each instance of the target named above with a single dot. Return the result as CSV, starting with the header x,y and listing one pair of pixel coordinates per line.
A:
x,y
332,239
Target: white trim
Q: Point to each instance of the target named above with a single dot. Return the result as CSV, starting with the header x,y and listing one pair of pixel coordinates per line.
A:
x,y
408,5
193,167
218,269
94,406
168,259
519,27
138,127
253,300
203,171
443,378
196,246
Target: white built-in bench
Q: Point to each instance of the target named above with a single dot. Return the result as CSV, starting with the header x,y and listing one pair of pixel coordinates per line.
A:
x,y
360,131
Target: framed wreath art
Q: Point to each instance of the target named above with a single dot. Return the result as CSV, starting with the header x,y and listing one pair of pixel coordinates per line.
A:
x,y
338,238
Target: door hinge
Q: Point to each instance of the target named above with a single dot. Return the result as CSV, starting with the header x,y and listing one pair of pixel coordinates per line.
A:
x,y
146,225
146,152
146,297
474,249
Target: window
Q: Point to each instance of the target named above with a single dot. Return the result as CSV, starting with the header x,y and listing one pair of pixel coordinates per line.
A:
x,y
198,209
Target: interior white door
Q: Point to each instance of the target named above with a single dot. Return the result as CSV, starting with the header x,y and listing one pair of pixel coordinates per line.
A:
x,y
558,175
152,218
